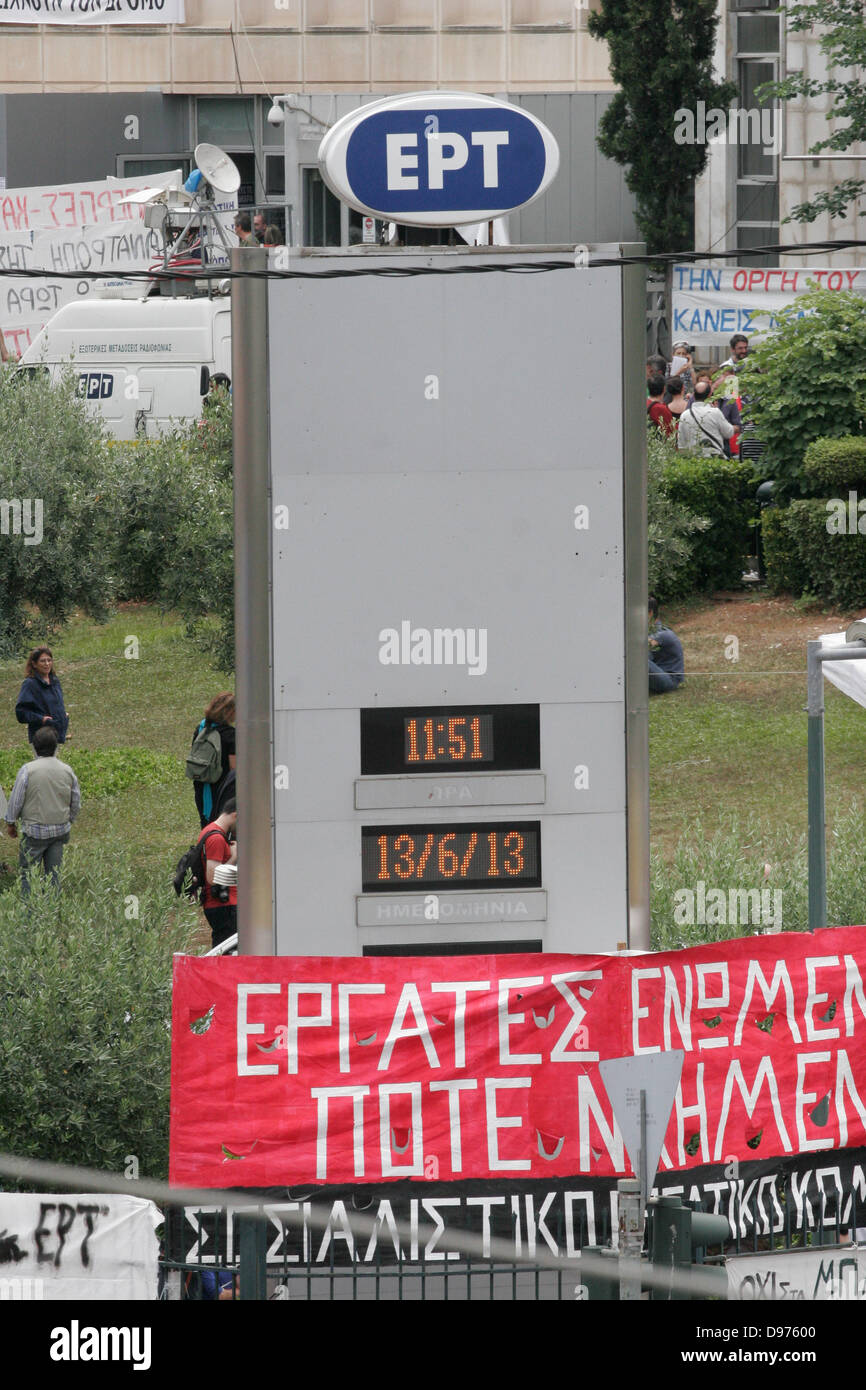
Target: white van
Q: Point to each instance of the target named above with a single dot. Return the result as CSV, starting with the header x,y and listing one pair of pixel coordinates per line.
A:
x,y
142,363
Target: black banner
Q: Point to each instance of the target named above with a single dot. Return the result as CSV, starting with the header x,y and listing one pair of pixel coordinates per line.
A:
x,y
823,1194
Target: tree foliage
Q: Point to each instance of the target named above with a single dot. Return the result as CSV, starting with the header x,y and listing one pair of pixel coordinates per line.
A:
x,y
661,58
841,28
671,525
51,473
807,380
85,984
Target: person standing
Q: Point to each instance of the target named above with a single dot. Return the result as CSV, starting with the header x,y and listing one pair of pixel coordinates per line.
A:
x,y
46,799
244,230
220,905
218,717
676,399
260,223
703,428
656,409
40,699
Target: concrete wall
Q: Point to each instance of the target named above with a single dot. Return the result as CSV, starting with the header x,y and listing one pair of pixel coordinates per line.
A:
x,y
229,46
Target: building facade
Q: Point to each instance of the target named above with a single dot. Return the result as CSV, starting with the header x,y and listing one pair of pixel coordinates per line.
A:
x,y
760,171
77,103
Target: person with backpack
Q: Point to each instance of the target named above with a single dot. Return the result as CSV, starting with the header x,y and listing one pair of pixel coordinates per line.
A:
x,y
220,904
212,754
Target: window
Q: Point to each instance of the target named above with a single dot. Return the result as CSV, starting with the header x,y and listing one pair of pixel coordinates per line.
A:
x,y
756,137
226,120
141,168
322,212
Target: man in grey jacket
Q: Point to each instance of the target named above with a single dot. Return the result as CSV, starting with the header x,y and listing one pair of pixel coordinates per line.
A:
x,y
46,799
702,427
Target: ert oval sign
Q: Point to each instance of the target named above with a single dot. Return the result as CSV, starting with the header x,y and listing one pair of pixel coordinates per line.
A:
x,y
438,159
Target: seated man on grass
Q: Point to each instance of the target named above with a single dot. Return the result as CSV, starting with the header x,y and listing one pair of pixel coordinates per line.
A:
x,y
666,668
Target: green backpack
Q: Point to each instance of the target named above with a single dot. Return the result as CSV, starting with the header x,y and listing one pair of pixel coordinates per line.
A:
x,y
205,760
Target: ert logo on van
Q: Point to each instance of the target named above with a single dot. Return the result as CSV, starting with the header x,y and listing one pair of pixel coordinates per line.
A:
x,y
438,159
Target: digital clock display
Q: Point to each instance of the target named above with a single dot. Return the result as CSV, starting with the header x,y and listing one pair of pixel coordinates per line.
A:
x,y
496,854
488,738
455,738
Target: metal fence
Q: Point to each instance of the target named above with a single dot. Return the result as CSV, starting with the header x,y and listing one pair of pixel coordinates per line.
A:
x,y
392,1265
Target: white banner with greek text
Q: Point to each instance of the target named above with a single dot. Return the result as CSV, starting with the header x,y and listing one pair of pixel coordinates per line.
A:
x,y
710,305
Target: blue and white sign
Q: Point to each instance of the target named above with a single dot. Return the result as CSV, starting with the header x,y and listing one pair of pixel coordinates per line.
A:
x,y
438,159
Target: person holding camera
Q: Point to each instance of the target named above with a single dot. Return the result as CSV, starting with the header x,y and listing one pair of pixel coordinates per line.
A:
x,y
220,903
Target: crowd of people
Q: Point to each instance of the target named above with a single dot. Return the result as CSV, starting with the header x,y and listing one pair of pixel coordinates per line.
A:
x,y
257,231
702,408
46,798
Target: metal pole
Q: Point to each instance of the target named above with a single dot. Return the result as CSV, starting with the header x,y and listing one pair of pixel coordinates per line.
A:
x,y
817,836
631,1222
633,281
253,1255
252,606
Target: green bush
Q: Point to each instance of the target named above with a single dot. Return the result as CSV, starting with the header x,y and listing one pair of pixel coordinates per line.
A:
x,y
802,556
672,527
723,491
807,380
86,999
147,483
51,460
786,573
833,466
103,771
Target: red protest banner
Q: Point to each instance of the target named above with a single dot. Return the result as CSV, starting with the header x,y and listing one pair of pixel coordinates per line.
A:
x,y
291,1070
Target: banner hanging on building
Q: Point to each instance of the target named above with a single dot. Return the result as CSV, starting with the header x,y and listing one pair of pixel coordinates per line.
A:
x,y
710,305
346,1070
75,227
77,1246
92,12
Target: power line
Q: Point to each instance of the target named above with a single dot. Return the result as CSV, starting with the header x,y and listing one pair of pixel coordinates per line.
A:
x,y
473,267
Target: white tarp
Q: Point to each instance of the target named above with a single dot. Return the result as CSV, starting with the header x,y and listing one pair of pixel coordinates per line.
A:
x,y
822,1275
710,304
849,676
82,12
77,1246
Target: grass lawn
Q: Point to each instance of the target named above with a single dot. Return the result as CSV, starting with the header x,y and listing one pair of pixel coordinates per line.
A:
x,y
114,702
728,748
733,739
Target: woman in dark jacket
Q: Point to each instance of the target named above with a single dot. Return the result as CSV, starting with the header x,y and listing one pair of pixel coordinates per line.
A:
x,y
40,699
220,713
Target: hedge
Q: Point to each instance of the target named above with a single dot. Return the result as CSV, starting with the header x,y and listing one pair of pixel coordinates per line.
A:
x,y
723,491
835,466
802,557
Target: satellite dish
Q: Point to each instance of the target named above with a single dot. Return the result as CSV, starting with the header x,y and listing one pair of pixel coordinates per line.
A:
x,y
220,171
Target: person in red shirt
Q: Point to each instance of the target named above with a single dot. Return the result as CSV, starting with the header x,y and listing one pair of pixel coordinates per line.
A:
x,y
656,409
220,904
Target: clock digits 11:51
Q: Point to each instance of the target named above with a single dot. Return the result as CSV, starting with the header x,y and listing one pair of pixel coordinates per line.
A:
x,y
451,738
